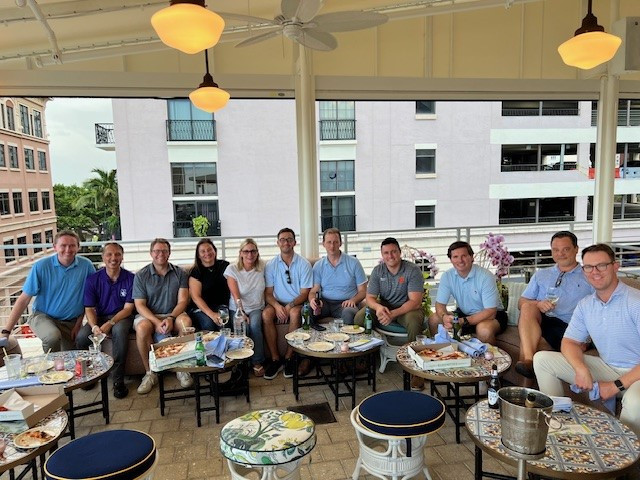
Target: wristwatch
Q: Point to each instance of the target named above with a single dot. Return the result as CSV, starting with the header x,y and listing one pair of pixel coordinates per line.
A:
x,y
111,322
5,331
171,317
619,384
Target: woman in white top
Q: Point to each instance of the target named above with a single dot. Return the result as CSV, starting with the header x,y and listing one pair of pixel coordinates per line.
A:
x,y
246,282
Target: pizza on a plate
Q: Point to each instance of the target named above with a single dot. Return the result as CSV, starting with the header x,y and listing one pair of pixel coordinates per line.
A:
x,y
166,351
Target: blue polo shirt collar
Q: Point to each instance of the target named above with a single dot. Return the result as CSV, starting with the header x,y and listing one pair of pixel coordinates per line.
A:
x,y
619,291
56,262
470,275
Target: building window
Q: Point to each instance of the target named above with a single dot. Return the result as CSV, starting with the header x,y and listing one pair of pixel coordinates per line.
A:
x,y
13,157
24,120
33,201
36,239
425,216
42,161
48,236
194,179
5,208
337,120
29,163
22,252
338,212
188,123
337,176
184,212
2,117
17,203
425,107
9,251
425,160
11,122
624,207
534,210
37,124
3,161
46,201
528,108
628,113
532,158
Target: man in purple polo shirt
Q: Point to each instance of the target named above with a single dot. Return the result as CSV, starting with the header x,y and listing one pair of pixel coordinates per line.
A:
x,y
109,309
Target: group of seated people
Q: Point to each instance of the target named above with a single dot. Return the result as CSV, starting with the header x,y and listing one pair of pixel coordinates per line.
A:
x,y
590,305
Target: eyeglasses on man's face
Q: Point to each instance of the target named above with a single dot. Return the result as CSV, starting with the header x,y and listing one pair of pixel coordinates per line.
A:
x,y
288,274
286,240
601,267
158,251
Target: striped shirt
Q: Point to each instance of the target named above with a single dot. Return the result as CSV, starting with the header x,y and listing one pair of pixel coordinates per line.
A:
x,y
614,326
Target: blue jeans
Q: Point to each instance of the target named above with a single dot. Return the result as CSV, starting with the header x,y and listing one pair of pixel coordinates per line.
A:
x,y
254,331
202,321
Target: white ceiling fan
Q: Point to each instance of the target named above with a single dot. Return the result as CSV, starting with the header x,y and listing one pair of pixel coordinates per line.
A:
x,y
300,22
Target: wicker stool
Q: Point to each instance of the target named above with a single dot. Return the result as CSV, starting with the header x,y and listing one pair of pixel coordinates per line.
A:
x,y
392,439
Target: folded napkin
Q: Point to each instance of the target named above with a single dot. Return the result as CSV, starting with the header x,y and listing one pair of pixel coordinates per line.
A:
x,y
216,348
472,347
594,394
373,343
561,404
21,382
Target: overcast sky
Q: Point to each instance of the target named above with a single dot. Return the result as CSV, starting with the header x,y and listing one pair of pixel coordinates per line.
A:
x,y
70,123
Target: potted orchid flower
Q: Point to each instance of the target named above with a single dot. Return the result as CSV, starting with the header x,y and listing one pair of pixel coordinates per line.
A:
x,y
494,256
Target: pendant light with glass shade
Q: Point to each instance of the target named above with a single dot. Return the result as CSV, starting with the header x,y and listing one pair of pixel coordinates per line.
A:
x,y
208,96
188,26
590,46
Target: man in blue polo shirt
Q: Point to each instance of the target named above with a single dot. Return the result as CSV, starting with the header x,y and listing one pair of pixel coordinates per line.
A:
x,y
610,317
288,279
108,306
57,282
548,302
474,289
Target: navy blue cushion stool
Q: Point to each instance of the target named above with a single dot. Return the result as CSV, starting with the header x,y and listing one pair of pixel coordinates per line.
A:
x,y
392,429
110,455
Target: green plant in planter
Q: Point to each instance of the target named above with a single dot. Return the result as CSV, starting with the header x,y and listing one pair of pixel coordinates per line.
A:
x,y
200,225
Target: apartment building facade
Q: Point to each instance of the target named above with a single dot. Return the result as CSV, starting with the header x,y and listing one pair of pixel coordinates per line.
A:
x,y
27,212
381,165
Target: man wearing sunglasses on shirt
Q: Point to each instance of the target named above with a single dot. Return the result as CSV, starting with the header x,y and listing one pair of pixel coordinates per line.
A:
x,y
288,280
611,318
548,302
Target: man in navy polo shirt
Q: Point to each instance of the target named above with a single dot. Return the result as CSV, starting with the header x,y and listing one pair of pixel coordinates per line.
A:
x,y
108,306
57,282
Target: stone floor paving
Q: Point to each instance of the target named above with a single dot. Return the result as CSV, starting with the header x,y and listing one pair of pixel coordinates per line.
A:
x,y
189,452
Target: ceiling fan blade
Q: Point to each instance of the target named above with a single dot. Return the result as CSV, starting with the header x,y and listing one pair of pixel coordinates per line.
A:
x,y
246,18
316,40
301,10
258,38
348,21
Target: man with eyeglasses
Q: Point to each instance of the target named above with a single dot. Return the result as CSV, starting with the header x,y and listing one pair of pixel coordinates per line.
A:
x,y
611,318
160,295
548,302
288,279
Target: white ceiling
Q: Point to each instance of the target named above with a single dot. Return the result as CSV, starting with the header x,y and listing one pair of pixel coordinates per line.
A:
x,y
429,49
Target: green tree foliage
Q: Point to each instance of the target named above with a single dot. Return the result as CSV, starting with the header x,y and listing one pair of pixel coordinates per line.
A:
x,y
81,221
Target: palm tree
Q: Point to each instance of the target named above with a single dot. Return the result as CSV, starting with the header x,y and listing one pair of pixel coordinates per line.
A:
x,y
103,194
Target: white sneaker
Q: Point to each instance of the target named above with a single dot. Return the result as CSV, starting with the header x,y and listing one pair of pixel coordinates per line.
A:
x,y
185,379
148,381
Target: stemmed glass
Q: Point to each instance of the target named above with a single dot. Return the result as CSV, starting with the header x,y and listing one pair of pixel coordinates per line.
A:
x,y
553,295
223,311
97,339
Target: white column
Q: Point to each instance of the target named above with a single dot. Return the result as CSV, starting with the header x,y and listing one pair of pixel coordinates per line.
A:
x,y
605,159
307,157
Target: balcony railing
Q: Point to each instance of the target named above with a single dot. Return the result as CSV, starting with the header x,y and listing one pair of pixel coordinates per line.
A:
x,y
509,221
337,129
536,112
346,223
191,130
533,167
104,134
184,229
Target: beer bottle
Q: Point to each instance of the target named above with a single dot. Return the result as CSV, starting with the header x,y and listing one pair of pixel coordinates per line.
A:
x,y
306,316
318,310
456,327
201,357
494,386
530,401
368,321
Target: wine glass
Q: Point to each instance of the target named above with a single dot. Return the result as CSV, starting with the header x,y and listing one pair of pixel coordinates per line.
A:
x,y
223,311
553,295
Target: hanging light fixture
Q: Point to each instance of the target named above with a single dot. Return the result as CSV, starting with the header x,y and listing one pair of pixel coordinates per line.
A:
x,y
208,96
590,46
187,25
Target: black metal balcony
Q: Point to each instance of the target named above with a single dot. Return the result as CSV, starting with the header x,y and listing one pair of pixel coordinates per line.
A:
x,y
345,223
184,229
104,134
191,130
337,129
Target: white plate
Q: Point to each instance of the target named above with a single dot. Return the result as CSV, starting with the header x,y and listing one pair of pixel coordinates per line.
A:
x,y
31,439
352,329
239,354
31,369
336,337
320,346
292,336
51,378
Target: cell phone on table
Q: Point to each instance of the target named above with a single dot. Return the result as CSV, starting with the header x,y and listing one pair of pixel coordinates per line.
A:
x,y
318,327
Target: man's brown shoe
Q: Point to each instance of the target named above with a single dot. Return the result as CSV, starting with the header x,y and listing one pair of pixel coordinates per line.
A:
x,y
525,368
417,383
304,368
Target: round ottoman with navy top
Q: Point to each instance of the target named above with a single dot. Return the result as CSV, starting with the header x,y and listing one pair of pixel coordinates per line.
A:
x,y
110,455
392,429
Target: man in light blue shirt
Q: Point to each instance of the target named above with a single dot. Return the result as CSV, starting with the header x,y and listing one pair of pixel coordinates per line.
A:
x,y
288,279
479,308
339,278
57,282
548,302
611,318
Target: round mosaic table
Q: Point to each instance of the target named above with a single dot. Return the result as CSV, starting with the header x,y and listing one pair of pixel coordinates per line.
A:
x,y
610,451
451,379
273,441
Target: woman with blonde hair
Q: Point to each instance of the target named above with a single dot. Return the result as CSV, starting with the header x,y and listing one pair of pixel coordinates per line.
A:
x,y
246,283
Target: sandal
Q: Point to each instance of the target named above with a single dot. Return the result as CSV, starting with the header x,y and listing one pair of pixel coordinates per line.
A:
x,y
258,370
